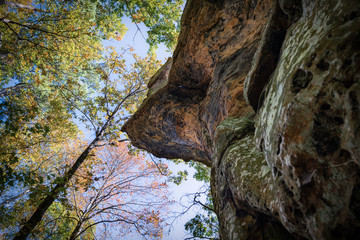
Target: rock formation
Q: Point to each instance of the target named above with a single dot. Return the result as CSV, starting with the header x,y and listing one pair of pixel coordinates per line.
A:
x,y
267,94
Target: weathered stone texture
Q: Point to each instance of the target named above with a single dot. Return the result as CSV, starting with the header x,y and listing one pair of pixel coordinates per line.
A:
x,y
266,93
307,124
244,189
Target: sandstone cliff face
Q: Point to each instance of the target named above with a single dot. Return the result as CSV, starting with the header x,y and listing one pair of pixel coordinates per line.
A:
x,y
267,94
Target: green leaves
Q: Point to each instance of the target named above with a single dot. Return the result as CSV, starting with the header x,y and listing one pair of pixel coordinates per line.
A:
x,y
179,177
202,226
202,171
47,41
205,224
53,70
162,17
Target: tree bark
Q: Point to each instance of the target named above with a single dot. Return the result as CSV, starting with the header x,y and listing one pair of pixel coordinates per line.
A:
x,y
75,231
49,199
45,204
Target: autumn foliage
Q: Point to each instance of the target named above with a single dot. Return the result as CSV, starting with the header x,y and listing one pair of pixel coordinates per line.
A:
x,y
57,78
122,191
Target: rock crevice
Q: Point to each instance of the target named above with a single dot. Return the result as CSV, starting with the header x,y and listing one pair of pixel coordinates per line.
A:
x,y
267,94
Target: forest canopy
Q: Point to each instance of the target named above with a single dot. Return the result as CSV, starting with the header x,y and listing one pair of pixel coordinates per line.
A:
x,y
56,75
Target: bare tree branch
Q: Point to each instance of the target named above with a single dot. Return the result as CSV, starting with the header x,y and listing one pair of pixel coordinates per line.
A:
x,y
49,199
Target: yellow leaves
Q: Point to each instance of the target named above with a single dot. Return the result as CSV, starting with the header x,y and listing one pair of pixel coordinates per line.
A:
x,y
37,79
120,181
58,36
113,54
112,48
118,37
137,18
53,63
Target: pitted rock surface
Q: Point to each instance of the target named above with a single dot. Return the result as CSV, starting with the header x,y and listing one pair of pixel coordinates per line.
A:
x,y
267,94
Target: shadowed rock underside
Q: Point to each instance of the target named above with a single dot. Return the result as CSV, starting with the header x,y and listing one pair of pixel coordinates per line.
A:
x,y
267,94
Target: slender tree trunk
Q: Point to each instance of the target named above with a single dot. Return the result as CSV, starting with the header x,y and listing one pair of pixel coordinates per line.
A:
x,y
47,201
76,231
45,204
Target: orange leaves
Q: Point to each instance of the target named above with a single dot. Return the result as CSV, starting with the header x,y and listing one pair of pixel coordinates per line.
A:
x,y
128,188
118,37
138,17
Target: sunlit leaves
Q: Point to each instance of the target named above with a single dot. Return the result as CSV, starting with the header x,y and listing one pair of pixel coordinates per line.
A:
x,y
53,71
125,191
110,26
26,131
48,39
41,165
162,17
202,172
122,85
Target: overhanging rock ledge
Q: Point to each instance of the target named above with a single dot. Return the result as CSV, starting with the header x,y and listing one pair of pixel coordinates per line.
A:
x,y
267,94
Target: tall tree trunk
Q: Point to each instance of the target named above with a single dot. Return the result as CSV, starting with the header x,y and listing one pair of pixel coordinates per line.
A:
x,y
47,201
45,204
76,230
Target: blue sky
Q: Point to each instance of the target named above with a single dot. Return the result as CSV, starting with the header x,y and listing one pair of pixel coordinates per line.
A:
x,y
136,40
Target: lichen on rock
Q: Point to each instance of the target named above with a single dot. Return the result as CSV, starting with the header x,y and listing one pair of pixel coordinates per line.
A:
x,y
245,188
267,94
301,124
